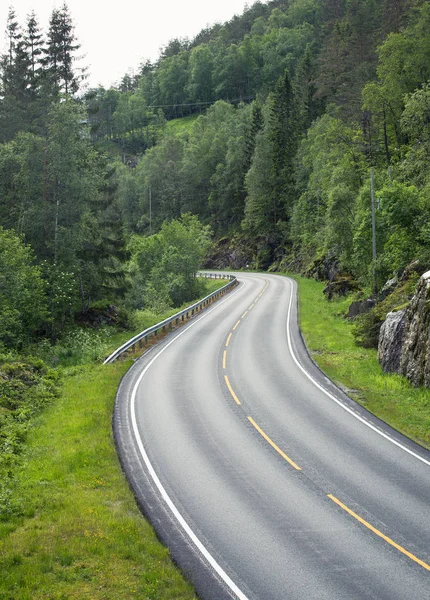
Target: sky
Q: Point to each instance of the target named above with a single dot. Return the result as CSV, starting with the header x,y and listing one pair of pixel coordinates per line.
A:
x,y
117,38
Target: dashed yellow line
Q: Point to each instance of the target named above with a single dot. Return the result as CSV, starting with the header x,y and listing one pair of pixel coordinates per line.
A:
x,y
266,437
228,340
244,314
252,306
224,359
234,328
230,389
379,533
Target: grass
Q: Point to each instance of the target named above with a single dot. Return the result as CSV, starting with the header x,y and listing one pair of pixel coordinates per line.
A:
x,y
329,339
78,533
75,530
180,125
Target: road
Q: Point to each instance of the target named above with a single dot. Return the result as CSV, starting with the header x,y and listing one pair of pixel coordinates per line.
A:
x,y
264,479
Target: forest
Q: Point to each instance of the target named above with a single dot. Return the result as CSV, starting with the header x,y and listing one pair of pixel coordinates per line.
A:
x,y
249,146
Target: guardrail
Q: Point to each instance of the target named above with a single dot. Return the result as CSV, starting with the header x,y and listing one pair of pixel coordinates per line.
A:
x,y
141,339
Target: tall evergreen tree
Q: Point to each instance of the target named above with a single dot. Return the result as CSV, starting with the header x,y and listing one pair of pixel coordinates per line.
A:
x,y
15,75
283,136
59,53
34,42
308,106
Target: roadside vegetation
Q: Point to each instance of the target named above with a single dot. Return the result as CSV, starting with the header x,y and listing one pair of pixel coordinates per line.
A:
x,y
75,530
329,337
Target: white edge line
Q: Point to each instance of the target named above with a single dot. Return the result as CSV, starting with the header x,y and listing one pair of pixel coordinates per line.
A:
x,y
341,404
210,559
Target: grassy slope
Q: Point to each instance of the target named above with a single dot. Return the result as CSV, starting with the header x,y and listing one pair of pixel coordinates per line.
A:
x,y
80,534
181,125
77,532
329,339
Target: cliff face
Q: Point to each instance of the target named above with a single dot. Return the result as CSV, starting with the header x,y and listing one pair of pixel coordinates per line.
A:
x,y
404,340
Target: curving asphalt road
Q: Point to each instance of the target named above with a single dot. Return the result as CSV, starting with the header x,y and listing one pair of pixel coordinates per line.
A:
x,y
264,479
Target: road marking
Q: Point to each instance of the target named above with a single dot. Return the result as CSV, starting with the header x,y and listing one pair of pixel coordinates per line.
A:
x,y
228,340
244,314
230,389
379,533
252,306
234,328
224,359
266,437
339,402
203,550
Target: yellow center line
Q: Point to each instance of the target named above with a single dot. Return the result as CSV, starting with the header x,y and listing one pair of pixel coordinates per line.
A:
x,y
252,306
266,437
379,533
230,389
234,328
224,359
228,340
244,314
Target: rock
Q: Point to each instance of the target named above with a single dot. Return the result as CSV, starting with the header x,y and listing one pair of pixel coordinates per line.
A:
x,y
391,341
415,359
404,341
340,287
323,269
388,288
228,254
360,307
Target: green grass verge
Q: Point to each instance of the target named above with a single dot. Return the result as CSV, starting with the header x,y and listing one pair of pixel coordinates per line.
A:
x,y
75,529
328,336
80,534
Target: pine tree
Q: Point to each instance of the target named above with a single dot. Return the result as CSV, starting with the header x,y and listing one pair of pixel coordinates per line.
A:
x,y
13,35
283,136
308,106
15,73
34,41
59,53
256,124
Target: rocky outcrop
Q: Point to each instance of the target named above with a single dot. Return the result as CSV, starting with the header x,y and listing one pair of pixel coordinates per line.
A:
x,y
360,307
340,287
228,254
404,340
391,341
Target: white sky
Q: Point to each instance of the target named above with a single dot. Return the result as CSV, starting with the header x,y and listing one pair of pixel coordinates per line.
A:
x,y
116,38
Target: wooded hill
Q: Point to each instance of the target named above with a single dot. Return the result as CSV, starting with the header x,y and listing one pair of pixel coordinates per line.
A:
x,y
287,108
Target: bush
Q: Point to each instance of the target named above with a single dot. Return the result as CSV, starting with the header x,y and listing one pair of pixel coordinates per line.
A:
x,y
26,387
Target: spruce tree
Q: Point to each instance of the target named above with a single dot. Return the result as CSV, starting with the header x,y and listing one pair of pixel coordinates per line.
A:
x,y
59,53
15,74
283,136
34,41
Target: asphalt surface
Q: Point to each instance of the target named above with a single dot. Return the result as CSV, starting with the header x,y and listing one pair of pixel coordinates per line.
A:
x,y
265,480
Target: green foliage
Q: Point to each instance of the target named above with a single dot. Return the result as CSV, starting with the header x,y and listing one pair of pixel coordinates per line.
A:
x,y
23,305
164,266
25,389
289,170
330,173
399,223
